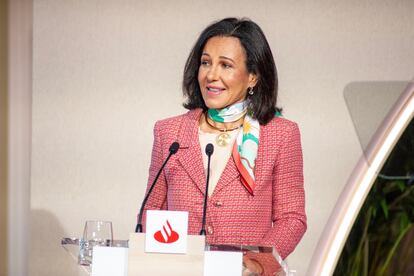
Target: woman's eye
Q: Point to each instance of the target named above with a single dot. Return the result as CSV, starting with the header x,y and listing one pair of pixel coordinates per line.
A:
x,y
204,62
226,65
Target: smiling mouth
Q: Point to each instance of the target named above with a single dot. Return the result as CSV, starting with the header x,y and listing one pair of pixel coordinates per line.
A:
x,y
214,90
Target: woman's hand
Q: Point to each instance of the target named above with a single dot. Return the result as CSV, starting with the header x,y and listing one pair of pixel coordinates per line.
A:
x,y
251,267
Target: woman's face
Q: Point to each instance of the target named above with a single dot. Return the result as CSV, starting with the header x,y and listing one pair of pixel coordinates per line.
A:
x,y
223,76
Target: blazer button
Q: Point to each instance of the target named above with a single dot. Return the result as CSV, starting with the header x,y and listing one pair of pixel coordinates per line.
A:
x,y
218,204
210,230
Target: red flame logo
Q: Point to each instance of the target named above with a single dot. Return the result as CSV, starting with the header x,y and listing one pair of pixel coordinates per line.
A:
x,y
166,234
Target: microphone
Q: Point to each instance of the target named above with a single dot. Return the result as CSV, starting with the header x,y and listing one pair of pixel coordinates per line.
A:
x,y
209,152
173,150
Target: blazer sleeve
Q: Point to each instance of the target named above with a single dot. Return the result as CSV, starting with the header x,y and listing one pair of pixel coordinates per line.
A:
x,y
158,197
288,205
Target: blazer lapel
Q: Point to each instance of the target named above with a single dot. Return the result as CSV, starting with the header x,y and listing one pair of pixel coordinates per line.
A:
x,y
231,172
189,154
260,155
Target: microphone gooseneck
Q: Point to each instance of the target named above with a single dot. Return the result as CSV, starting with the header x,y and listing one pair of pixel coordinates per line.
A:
x,y
173,150
209,152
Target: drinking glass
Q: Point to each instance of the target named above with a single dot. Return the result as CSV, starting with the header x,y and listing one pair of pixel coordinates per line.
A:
x,y
96,233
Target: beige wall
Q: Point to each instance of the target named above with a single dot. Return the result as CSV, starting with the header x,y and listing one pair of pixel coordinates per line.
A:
x,y
3,136
19,133
104,72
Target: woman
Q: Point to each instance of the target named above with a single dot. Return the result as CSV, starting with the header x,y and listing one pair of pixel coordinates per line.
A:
x,y
256,194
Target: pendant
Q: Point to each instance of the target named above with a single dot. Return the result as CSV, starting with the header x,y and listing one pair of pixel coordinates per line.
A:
x,y
223,139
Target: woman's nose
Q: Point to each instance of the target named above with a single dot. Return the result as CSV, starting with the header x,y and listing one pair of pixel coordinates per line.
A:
x,y
213,74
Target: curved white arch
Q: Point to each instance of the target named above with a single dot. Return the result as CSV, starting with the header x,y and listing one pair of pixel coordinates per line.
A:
x,y
340,222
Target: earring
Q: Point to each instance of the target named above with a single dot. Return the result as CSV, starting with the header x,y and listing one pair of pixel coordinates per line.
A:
x,y
251,92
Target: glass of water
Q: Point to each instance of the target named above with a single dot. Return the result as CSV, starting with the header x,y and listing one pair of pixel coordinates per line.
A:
x,y
95,233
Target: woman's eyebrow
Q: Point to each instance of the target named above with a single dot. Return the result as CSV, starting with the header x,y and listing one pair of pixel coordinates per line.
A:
x,y
224,57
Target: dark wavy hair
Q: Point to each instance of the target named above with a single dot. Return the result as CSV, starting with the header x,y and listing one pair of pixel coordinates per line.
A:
x,y
259,61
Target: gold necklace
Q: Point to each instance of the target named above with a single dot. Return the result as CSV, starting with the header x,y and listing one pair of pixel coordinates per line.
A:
x,y
223,139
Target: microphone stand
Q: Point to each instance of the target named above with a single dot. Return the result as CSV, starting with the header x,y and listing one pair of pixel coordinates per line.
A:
x,y
173,150
209,152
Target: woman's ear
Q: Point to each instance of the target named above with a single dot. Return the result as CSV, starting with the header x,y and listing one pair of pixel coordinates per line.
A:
x,y
253,78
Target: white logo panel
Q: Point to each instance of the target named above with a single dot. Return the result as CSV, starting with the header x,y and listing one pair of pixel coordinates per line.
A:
x,y
166,231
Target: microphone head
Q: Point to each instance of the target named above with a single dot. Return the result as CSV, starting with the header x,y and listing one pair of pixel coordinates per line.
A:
x,y
209,149
174,147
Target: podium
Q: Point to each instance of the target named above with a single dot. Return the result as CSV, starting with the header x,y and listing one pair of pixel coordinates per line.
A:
x,y
201,259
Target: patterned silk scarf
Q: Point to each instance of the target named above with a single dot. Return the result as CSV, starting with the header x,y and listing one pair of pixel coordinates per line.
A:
x,y
247,142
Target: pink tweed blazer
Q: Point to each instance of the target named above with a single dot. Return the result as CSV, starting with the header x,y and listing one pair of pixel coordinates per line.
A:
x,y
273,216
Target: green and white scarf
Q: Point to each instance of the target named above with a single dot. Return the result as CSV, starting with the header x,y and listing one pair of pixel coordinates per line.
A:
x,y
247,142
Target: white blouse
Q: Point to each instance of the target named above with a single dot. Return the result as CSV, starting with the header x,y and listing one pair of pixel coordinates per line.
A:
x,y
219,158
